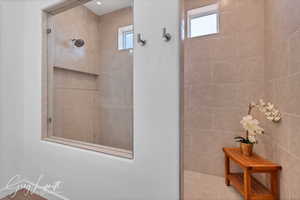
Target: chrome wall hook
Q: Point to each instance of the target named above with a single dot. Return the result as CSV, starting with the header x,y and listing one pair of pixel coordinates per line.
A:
x,y
140,41
166,36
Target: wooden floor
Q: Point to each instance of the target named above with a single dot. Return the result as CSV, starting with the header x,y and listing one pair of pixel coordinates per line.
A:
x,y
23,195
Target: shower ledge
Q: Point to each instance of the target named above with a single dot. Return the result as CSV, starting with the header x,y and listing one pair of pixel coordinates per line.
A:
x,y
77,70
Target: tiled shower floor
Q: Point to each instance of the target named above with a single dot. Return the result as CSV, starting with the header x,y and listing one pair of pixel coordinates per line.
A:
x,y
199,186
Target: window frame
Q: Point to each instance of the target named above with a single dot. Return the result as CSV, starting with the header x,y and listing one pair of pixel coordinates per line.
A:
x,y
121,41
202,12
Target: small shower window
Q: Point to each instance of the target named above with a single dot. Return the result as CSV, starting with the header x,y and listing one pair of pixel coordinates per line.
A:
x,y
125,38
203,21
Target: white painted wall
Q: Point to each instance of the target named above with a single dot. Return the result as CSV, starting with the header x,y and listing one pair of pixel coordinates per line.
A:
x,y
11,89
154,173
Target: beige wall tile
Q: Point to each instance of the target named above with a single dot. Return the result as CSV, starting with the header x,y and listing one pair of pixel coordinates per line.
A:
x,y
228,5
294,95
187,98
94,108
199,49
198,119
225,95
277,61
198,71
265,146
284,190
73,111
228,22
187,141
282,87
282,93
224,47
295,181
115,82
235,60
280,132
290,16
270,92
228,119
294,135
116,127
252,69
286,160
226,71
202,95
250,14
294,49
191,160
83,59
206,147
250,43
249,92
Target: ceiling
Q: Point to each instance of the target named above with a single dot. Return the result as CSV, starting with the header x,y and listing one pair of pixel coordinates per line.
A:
x,y
107,6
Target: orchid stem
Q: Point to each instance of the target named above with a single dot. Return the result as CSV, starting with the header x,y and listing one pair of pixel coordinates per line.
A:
x,y
249,112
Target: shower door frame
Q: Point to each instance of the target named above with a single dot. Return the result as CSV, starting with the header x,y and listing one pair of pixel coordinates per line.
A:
x,y
47,86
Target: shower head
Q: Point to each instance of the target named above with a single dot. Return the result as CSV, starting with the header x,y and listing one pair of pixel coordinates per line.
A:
x,y
78,42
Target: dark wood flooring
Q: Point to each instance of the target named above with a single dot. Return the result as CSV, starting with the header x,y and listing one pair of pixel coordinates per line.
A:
x,y
24,195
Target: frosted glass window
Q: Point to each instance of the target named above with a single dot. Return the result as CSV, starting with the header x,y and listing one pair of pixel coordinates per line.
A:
x,y
128,40
125,38
203,21
205,25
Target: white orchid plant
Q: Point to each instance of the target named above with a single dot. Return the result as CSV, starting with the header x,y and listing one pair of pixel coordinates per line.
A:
x,y
252,126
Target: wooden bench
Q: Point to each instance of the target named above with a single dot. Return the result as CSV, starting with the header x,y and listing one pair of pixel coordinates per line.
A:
x,y
244,182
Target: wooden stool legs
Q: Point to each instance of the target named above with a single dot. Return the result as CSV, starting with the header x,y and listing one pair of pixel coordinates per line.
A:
x,y
227,170
247,184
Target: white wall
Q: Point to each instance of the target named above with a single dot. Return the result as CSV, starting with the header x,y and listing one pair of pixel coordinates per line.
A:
x,y
154,173
11,89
